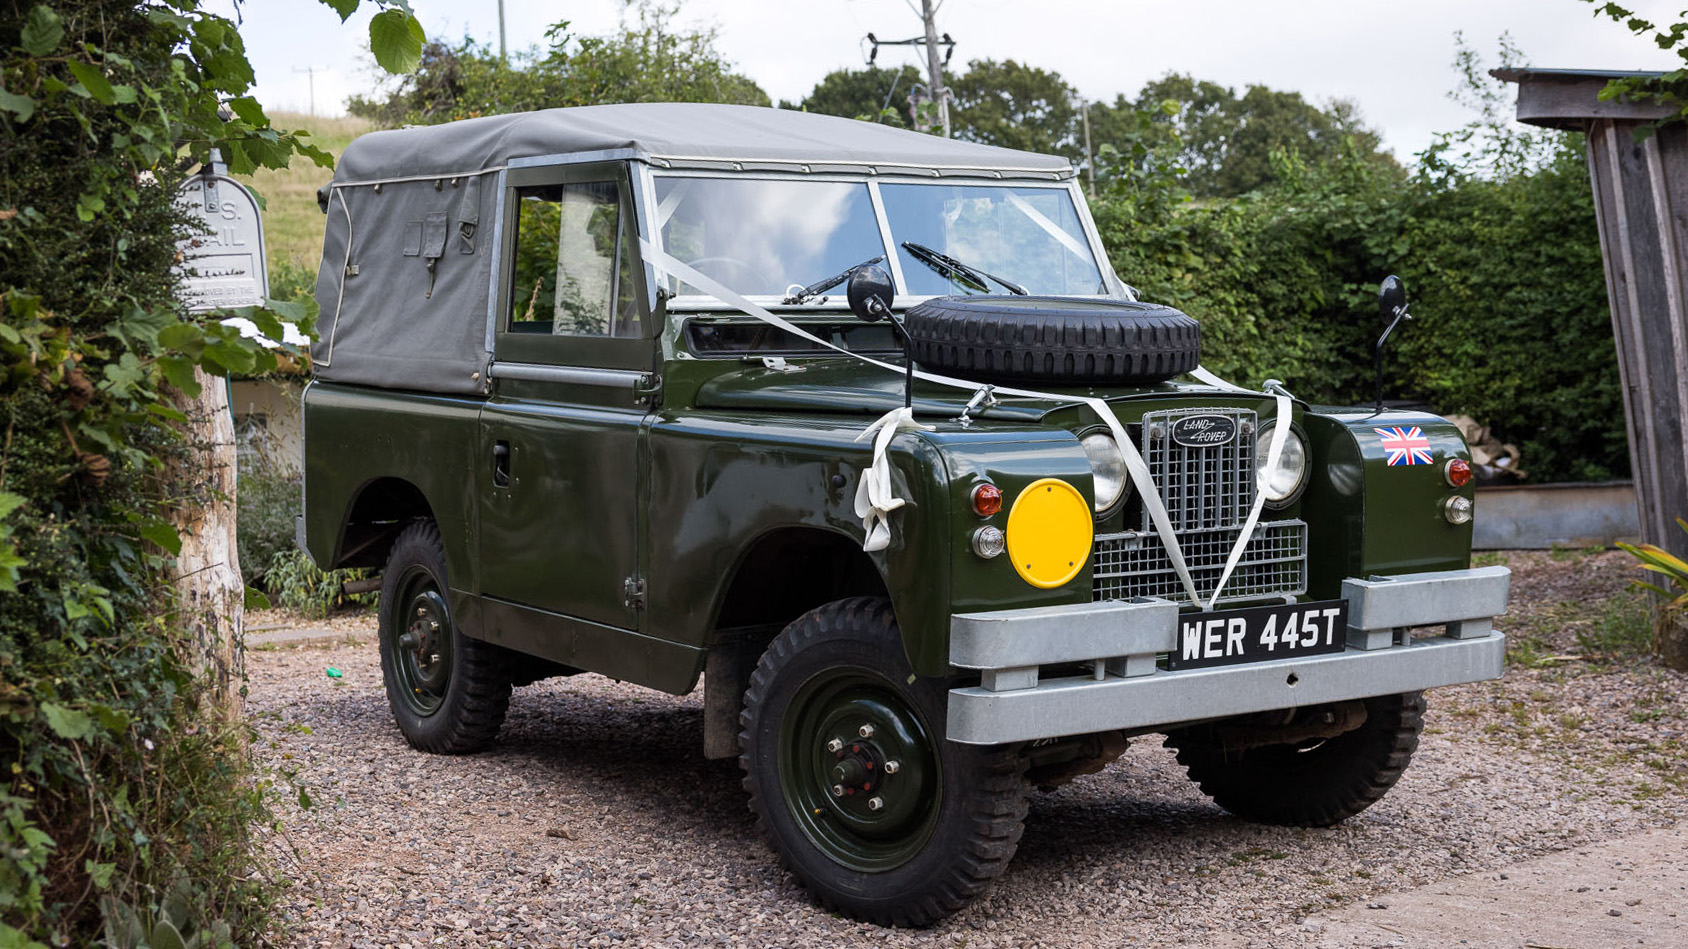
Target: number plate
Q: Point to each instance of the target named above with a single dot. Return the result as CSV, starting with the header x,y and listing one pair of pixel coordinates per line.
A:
x,y
1256,634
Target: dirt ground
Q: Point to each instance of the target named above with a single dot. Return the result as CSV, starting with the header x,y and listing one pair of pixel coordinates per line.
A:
x,y
596,820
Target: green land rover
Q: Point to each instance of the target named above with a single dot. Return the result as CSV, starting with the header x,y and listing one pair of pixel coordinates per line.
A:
x,y
858,425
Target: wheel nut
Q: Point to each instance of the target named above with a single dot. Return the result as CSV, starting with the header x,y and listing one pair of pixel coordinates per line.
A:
x,y
893,766
835,746
866,731
838,790
875,803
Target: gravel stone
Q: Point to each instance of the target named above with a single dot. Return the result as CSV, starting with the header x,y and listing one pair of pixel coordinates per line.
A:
x,y
405,849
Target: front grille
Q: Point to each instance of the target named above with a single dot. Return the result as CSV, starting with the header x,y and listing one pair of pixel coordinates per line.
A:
x,y
1135,564
1203,487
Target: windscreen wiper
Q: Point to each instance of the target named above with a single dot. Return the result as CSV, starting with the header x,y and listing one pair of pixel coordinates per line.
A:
x,y
822,286
956,270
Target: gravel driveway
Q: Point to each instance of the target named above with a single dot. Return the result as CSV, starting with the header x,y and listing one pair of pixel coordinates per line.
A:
x,y
596,820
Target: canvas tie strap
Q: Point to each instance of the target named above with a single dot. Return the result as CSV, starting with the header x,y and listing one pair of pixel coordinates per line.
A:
x,y
874,498
1141,478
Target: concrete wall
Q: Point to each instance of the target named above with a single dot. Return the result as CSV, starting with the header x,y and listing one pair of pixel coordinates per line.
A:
x,y
267,423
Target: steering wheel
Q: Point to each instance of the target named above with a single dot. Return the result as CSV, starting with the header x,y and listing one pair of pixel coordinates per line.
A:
x,y
759,280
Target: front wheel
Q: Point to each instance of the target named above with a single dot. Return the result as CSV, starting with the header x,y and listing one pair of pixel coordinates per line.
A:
x,y
448,691
1316,783
855,786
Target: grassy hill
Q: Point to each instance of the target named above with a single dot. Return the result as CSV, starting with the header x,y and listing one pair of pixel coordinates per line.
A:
x,y
292,222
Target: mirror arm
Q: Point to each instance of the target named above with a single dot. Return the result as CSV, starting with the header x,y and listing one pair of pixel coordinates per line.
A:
x,y
908,358
1400,314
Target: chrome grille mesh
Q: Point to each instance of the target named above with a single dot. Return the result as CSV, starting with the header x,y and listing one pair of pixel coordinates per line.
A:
x,y
1135,564
1203,487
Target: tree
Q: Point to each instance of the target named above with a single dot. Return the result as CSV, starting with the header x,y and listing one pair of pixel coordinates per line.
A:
x,y
1225,142
126,788
650,60
1016,106
874,94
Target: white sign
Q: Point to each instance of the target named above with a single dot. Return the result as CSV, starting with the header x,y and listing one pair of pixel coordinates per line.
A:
x,y
224,268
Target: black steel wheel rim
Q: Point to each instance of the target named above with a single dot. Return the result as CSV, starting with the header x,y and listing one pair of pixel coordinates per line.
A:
x,y
859,770
422,647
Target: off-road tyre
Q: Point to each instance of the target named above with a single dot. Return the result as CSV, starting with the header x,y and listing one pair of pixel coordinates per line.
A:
x,y
462,710
1313,784
1054,340
970,801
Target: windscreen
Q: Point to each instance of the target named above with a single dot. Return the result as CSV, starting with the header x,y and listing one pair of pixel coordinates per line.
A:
x,y
764,237
1027,235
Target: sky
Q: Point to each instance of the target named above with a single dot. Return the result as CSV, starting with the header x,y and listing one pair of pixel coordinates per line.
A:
x,y
1393,59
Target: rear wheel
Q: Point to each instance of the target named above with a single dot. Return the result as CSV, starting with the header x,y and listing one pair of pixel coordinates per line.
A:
x,y
448,691
848,770
1315,783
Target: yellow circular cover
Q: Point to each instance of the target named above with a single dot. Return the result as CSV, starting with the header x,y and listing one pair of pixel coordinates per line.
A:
x,y
1049,533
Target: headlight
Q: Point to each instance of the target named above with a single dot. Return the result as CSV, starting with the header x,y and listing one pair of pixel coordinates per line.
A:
x,y
1284,481
1107,465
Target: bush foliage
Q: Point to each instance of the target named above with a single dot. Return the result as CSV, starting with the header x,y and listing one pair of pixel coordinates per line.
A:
x,y
1493,232
127,802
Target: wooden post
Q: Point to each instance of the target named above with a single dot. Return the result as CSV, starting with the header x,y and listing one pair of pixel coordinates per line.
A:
x,y
209,591
1641,204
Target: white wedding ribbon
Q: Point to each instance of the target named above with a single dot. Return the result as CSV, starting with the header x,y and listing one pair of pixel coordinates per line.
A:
x,y
1141,478
874,498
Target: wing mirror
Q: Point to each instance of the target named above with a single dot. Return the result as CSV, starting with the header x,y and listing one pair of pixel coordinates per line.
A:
x,y
1392,298
1392,303
870,294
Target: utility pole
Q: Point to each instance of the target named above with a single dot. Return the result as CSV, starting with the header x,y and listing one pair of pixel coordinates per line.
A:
x,y
503,57
934,69
935,88
310,72
1089,160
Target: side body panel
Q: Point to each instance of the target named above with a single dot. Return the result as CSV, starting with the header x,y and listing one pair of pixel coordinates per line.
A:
x,y
356,436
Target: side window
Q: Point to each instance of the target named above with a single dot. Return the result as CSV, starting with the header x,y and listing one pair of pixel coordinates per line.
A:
x,y
573,273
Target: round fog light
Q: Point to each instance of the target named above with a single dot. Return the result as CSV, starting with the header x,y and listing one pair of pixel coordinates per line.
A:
x,y
989,542
1457,510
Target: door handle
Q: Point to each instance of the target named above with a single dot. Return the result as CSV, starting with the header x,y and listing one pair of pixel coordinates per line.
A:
x,y
501,464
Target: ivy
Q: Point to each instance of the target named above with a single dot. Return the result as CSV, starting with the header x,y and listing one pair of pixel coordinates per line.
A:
x,y
122,792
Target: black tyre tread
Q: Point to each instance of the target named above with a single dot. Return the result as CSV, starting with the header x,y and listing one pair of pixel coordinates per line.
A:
x,y
1125,344
1354,776
995,803
479,695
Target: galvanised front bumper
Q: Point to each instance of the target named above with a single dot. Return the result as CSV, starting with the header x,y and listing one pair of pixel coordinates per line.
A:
x,y
1119,642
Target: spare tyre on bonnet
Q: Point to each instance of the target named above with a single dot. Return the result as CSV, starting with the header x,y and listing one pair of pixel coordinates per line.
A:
x,y
1055,340
588,393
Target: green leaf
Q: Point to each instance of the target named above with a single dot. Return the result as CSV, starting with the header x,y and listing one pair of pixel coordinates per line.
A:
x,y
178,371
305,800
11,938
182,337
112,720
249,111
166,936
21,106
94,81
255,598
343,7
42,32
100,873
9,502
67,722
396,39
161,533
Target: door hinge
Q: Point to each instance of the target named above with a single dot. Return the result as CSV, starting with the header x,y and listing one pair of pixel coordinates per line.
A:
x,y
648,389
633,592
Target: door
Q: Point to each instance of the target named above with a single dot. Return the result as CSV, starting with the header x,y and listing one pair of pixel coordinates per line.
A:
x,y
561,484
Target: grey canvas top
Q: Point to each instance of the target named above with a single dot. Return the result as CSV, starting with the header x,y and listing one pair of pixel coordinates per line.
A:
x,y
409,249
675,133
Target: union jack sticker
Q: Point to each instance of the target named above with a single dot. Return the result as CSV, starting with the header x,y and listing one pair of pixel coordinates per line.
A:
x,y
1405,446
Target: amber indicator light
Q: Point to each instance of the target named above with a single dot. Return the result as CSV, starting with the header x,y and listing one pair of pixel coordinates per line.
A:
x,y
987,500
1458,472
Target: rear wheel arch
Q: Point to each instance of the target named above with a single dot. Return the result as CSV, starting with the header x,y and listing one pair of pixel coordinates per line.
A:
x,y
378,510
